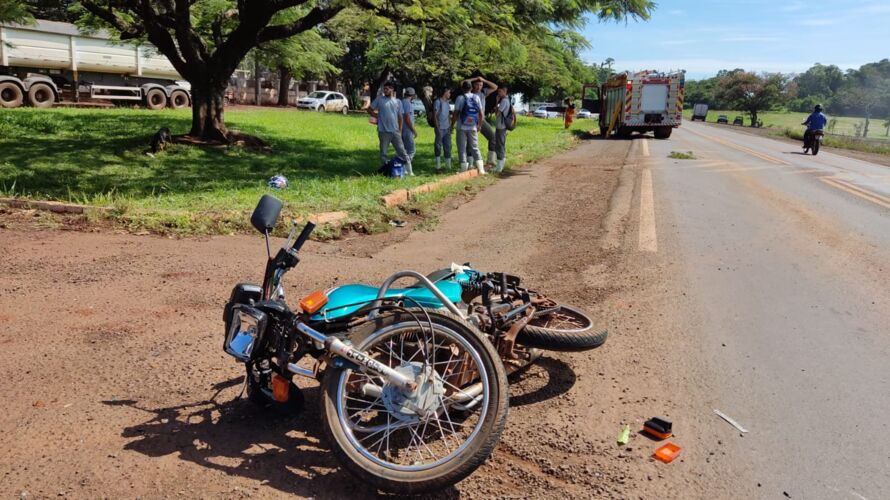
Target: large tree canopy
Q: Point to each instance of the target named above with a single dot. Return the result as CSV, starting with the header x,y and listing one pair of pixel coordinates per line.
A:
x,y
751,92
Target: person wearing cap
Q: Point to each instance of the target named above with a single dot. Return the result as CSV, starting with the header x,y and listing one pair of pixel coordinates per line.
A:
x,y
443,127
468,114
409,133
483,88
387,111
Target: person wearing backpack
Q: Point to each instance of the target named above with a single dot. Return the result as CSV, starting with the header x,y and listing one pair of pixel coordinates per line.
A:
x,y
468,114
483,88
443,127
505,119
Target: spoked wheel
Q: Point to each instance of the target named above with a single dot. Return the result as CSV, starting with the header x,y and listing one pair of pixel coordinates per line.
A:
x,y
558,327
431,438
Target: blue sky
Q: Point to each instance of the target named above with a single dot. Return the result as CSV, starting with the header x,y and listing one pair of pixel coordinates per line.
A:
x,y
705,36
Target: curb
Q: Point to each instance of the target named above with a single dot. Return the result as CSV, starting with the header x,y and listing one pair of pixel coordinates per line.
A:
x,y
50,206
400,196
71,208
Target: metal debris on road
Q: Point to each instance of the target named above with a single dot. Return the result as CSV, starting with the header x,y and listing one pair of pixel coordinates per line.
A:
x,y
731,421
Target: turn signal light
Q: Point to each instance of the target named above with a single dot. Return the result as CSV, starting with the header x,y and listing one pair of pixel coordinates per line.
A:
x,y
313,302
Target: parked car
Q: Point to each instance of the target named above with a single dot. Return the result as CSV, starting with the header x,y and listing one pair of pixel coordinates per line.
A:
x,y
723,119
586,114
547,112
324,101
738,121
419,110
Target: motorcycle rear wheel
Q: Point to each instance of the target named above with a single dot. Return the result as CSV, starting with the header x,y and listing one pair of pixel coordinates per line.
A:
x,y
815,148
385,441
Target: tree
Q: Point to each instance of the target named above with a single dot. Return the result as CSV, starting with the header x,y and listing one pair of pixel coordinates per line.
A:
x,y
867,91
751,93
206,40
301,56
14,11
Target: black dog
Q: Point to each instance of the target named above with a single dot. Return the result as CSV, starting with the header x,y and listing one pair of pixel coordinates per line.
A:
x,y
160,140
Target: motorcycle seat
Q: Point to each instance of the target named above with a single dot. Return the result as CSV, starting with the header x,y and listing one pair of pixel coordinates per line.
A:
x,y
347,299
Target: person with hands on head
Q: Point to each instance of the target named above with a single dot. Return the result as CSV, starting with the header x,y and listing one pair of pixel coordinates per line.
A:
x,y
483,88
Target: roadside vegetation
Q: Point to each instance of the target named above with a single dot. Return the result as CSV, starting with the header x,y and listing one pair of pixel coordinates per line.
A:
x,y
96,157
680,155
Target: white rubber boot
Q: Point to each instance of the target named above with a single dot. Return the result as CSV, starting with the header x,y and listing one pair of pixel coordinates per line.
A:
x,y
409,168
480,166
492,156
463,166
448,163
500,166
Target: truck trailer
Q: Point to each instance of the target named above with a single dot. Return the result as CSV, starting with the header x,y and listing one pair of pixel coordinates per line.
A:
x,y
48,62
638,102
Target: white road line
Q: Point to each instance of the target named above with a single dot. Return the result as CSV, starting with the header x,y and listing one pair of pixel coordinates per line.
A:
x,y
645,146
648,238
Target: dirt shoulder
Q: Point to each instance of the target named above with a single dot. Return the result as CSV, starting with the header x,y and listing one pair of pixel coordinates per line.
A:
x,y
115,383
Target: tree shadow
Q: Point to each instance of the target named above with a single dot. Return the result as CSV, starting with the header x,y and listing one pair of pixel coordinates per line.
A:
x,y
239,438
547,378
99,152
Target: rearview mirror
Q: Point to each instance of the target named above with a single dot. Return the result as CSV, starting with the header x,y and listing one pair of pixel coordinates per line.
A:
x,y
266,213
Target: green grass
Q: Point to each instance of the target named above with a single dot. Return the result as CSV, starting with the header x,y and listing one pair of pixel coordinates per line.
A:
x,y
679,155
95,157
845,125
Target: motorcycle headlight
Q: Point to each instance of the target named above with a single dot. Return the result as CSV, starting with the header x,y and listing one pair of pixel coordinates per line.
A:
x,y
245,331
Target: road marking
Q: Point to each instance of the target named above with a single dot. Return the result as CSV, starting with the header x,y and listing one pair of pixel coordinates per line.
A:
x,y
857,191
645,146
648,238
743,149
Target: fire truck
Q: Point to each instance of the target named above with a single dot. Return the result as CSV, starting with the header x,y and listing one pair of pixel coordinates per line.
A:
x,y
638,102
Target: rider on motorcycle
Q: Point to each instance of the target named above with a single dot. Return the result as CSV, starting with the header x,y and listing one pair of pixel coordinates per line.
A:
x,y
816,121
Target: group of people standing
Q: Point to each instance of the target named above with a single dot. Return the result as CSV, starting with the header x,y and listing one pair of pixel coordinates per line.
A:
x,y
395,125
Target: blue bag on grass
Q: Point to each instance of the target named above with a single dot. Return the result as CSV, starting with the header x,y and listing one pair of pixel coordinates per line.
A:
x,y
394,168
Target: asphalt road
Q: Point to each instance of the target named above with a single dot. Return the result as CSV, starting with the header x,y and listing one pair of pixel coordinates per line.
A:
x,y
781,266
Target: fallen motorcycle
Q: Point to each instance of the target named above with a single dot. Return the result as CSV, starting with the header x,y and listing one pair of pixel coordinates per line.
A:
x,y
413,399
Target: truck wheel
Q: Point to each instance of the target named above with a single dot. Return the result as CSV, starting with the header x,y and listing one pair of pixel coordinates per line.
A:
x,y
179,99
603,131
624,132
663,132
155,99
11,95
41,95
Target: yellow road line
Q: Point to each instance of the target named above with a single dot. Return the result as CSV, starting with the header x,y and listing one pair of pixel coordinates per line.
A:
x,y
857,191
743,149
648,237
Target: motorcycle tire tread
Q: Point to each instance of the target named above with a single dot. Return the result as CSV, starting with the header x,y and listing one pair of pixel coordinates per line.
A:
x,y
560,340
482,447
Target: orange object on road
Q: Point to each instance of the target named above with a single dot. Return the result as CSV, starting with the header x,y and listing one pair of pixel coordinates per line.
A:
x,y
667,453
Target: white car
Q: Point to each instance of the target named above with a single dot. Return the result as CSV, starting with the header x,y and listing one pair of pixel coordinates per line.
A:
x,y
547,112
324,101
587,114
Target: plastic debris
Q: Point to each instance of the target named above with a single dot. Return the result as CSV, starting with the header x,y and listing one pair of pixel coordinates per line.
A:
x,y
658,428
667,453
624,437
731,421
278,182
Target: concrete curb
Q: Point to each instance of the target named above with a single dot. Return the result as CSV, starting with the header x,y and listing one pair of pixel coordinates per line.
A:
x,y
71,208
400,196
50,206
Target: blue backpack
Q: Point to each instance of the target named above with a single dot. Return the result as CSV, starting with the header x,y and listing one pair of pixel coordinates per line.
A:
x,y
394,168
469,113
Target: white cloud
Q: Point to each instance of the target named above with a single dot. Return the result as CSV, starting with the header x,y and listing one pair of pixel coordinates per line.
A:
x,y
819,21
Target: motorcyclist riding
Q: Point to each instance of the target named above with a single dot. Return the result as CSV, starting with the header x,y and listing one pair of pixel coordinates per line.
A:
x,y
816,121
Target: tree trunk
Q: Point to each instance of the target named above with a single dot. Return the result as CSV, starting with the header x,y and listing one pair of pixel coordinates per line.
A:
x,y
284,78
867,117
208,120
754,118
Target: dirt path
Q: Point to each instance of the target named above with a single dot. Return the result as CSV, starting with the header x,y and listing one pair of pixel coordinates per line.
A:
x,y
115,385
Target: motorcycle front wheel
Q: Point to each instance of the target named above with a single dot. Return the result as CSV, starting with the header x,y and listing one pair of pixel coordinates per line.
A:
x,y
429,439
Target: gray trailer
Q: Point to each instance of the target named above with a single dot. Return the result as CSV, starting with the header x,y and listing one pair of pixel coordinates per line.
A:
x,y
48,62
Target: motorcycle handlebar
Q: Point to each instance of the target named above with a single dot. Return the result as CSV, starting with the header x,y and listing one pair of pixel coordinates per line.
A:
x,y
304,235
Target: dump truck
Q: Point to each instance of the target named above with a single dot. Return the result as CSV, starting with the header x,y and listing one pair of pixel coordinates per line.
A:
x,y
48,62
638,102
